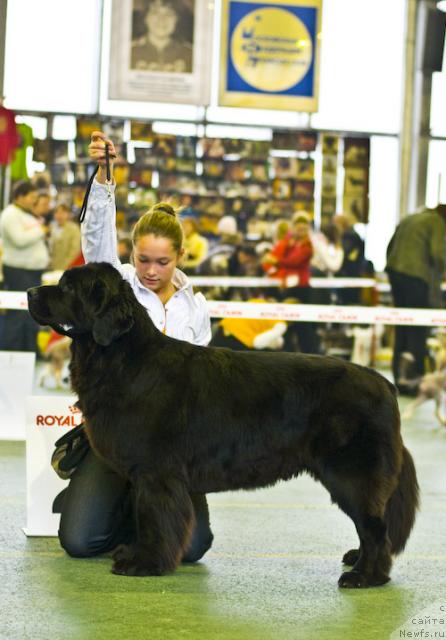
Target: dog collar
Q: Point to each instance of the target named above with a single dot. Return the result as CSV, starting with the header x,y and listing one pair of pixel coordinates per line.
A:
x,y
68,330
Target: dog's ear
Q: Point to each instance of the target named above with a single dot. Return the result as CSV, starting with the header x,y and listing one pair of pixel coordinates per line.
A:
x,y
112,323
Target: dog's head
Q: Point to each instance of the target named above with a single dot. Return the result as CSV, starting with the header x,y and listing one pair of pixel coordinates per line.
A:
x,y
90,299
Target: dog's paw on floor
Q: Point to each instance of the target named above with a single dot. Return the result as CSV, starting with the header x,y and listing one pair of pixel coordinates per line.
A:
x,y
351,557
132,567
127,562
356,580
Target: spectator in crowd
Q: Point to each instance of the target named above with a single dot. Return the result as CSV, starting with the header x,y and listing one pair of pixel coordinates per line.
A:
x,y
64,239
328,256
416,263
289,260
25,257
353,262
125,249
244,262
195,245
281,229
219,254
42,208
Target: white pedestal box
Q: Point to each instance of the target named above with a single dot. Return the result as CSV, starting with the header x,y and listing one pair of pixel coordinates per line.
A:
x,y
47,419
16,383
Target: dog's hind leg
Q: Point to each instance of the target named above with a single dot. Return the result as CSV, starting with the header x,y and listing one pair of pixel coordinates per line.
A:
x,y
372,561
165,518
438,415
410,409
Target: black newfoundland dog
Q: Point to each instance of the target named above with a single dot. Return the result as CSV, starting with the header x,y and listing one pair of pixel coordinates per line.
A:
x,y
175,419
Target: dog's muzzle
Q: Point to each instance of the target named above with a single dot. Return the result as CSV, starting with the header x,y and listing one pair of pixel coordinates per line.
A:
x,y
64,329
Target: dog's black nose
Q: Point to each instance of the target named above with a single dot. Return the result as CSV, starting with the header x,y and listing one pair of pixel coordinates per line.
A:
x,y
32,293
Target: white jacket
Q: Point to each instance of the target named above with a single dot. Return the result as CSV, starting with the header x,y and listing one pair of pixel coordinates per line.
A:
x,y
327,257
23,239
185,315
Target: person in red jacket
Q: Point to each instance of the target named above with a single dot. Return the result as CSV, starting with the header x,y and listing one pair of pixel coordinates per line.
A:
x,y
289,260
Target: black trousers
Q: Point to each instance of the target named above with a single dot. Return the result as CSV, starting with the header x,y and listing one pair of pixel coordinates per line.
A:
x,y
304,332
19,329
409,291
97,513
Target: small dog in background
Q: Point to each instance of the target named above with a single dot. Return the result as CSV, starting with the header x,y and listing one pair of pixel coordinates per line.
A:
x,y
55,374
432,385
437,346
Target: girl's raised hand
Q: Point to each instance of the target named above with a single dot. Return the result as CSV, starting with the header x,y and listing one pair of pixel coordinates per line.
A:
x,y
96,148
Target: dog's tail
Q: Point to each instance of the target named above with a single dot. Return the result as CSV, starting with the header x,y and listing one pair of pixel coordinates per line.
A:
x,y
402,505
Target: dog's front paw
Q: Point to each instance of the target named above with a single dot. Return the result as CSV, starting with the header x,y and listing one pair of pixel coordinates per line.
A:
x,y
127,562
351,557
123,552
352,580
134,567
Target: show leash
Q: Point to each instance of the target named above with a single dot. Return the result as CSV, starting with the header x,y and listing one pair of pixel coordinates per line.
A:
x,y
108,182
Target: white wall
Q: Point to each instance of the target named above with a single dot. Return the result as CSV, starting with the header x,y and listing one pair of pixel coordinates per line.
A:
x,y
361,81
51,57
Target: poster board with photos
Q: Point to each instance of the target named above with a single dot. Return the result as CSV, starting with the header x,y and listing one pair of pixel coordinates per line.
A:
x,y
356,178
270,54
330,150
171,64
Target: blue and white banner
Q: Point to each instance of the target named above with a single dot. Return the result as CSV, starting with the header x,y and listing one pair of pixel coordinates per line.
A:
x,y
270,54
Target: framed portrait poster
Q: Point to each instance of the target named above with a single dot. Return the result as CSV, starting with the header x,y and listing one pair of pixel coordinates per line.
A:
x,y
270,54
160,51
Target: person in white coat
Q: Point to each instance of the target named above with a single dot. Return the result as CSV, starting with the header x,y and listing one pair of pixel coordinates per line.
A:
x,y
96,508
25,257
328,256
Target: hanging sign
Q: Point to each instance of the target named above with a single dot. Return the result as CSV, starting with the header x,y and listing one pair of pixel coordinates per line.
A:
x,y
159,51
270,54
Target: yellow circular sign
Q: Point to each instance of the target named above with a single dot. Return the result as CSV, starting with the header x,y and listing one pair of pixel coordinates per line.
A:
x,y
271,49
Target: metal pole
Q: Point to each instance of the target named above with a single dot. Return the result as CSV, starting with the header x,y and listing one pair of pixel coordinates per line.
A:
x,y
415,129
3,8
407,107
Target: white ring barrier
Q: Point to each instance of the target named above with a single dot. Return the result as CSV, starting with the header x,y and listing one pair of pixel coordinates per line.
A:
x,y
51,277
316,283
328,313
295,312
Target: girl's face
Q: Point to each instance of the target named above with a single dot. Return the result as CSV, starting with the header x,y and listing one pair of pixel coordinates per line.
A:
x,y
155,261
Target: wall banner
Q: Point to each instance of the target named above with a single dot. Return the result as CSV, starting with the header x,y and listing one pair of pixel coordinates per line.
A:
x,y
270,54
160,51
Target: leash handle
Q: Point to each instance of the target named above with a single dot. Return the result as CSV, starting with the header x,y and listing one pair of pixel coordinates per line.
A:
x,y
107,164
108,182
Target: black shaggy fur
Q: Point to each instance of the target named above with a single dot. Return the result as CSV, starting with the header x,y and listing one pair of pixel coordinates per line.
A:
x,y
177,419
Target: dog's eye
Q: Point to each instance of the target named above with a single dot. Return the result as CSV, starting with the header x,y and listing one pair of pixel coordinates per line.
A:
x,y
65,287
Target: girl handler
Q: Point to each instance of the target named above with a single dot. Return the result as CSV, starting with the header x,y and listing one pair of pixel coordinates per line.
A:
x,y
97,510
